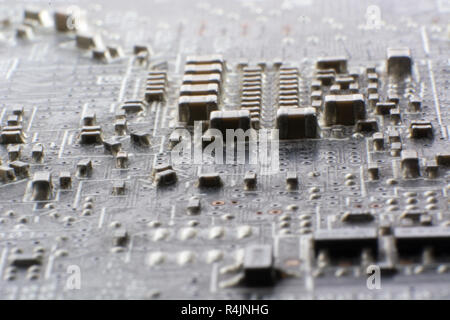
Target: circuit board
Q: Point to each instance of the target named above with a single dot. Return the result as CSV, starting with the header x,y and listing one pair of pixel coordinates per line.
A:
x,y
99,201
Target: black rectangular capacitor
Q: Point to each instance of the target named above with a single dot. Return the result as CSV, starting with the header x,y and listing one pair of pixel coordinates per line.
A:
x,y
258,265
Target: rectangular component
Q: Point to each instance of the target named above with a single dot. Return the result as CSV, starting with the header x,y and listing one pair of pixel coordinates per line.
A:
x,y
339,64
233,119
344,109
196,108
297,123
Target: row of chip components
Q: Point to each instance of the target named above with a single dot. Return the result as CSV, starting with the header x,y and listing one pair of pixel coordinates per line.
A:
x,y
293,121
412,166
288,87
156,85
335,93
67,20
332,75
12,135
72,20
252,93
202,87
91,133
391,105
249,114
155,91
41,187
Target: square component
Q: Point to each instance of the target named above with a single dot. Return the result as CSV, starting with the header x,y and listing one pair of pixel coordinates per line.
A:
x,y
258,266
297,123
339,64
399,61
